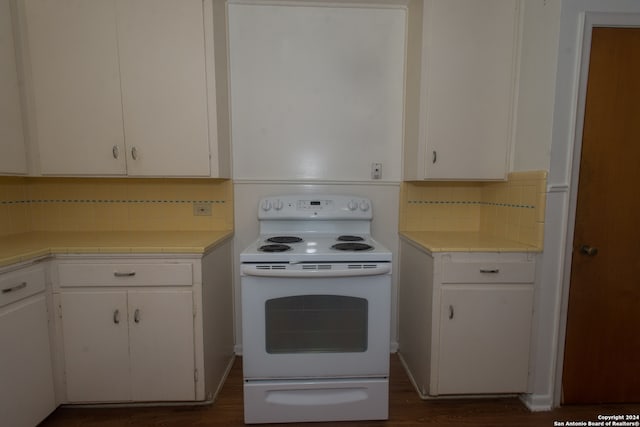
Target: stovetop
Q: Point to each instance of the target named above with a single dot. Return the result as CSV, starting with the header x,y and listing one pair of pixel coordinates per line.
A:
x,y
315,247
319,220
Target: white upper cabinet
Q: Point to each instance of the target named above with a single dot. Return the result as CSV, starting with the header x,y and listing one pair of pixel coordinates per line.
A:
x,y
13,158
77,108
164,86
123,87
461,91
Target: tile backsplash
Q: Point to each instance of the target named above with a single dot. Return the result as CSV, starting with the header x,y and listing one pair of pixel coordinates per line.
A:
x,y
14,206
105,204
513,209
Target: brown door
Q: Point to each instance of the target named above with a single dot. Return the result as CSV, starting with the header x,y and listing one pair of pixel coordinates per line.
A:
x,y
602,347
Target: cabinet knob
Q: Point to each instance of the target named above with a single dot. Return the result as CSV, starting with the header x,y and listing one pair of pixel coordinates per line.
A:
x,y
451,312
116,316
434,156
134,153
136,315
115,151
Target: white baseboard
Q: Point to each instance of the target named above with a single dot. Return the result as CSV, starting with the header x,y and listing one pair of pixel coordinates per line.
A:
x,y
537,402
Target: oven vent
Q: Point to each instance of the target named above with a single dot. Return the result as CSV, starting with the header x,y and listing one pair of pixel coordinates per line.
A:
x,y
361,266
316,266
271,267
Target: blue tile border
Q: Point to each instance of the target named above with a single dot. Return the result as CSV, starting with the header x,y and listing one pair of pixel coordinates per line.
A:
x,y
468,202
156,201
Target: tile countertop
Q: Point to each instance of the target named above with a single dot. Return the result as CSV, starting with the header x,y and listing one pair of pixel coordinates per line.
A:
x,y
464,241
26,246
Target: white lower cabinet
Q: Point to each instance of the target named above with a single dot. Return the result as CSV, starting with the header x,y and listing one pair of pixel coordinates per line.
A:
x,y
128,345
26,376
465,320
143,329
96,346
161,345
484,339
117,328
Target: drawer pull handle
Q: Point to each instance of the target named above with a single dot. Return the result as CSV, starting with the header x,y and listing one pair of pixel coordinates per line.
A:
x,y
490,270
136,315
128,274
451,313
116,317
15,288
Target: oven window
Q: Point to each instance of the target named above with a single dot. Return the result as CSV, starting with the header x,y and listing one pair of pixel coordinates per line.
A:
x,y
316,324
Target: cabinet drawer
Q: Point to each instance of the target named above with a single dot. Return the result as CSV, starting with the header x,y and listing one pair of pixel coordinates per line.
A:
x,y
488,272
121,274
21,284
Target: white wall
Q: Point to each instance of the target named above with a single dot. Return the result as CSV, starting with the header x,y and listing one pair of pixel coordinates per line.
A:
x,y
316,90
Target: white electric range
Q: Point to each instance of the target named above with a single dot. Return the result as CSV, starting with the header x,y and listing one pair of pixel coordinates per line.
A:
x,y
316,290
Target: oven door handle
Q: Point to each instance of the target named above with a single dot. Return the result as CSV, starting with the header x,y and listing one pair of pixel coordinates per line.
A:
x,y
252,270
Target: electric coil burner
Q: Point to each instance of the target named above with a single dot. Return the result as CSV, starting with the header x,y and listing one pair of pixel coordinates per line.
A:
x,y
352,246
274,248
316,312
284,239
349,238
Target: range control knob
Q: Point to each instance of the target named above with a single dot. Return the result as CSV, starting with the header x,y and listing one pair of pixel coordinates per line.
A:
x,y
278,205
352,205
266,205
364,206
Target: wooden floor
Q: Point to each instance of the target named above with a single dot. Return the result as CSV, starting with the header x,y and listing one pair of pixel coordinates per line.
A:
x,y
405,409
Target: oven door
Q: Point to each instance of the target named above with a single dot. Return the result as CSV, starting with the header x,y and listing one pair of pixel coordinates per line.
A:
x,y
326,321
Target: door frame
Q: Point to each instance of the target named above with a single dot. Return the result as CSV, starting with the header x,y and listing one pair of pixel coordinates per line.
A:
x,y
591,20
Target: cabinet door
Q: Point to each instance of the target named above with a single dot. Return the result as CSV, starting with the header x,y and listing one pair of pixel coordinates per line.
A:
x,y
26,388
162,345
96,346
73,56
162,65
12,150
484,339
469,72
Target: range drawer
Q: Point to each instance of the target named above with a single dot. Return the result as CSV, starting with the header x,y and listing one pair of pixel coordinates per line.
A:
x,y
488,272
21,284
124,274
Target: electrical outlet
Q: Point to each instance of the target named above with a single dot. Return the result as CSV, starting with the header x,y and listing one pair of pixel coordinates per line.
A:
x,y
201,209
376,170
